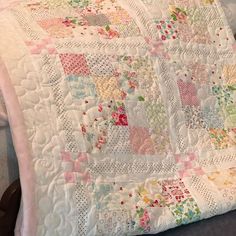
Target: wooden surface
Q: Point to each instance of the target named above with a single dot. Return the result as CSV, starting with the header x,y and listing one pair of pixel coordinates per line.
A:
x,y
9,207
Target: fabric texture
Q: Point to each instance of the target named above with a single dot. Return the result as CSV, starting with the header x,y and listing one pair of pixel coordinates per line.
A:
x,y
122,113
229,7
216,226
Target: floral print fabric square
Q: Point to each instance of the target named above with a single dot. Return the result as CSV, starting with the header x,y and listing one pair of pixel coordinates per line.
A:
x,y
186,212
141,141
55,28
74,64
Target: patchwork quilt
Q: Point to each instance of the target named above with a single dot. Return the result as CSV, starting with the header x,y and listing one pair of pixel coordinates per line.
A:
x,y
123,113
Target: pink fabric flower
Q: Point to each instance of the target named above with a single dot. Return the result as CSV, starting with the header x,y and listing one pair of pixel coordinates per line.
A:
x,y
121,110
133,84
113,34
144,221
181,16
163,37
123,95
115,115
100,108
156,48
122,120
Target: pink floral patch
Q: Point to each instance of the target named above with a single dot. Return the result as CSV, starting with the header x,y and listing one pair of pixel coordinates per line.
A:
x,y
38,46
70,177
56,28
144,220
119,116
188,93
141,142
108,33
188,166
174,191
157,48
167,29
74,64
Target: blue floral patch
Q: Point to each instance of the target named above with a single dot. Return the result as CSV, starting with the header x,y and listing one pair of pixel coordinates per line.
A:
x,y
81,87
186,212
212,118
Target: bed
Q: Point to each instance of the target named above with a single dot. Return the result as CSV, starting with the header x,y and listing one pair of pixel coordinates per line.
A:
x,y
122,113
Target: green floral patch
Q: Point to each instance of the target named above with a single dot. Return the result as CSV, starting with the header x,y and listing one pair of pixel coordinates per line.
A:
x,y
224,94
79,3
230,116
185,212
219,138
178,14
74,21
156,116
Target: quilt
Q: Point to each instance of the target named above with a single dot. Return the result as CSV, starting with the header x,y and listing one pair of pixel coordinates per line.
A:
x,y
122,113
229,7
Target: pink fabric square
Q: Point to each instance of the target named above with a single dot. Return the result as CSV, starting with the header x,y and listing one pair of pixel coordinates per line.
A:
x,y
41,45
74,64
185,174
56,28
234,47
52,50
35,50
141,141
177,158
192,157
199,171
175,191
70,177
181,173
188,93
86,177
66,156
47,40
77,166
188,165
82,157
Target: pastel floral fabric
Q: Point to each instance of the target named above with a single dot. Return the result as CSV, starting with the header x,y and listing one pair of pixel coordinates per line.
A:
x,y
129,109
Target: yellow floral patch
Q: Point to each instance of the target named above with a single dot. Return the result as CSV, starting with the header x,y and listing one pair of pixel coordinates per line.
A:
x,y
229,72
223,179
208,1
107,88
119,17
